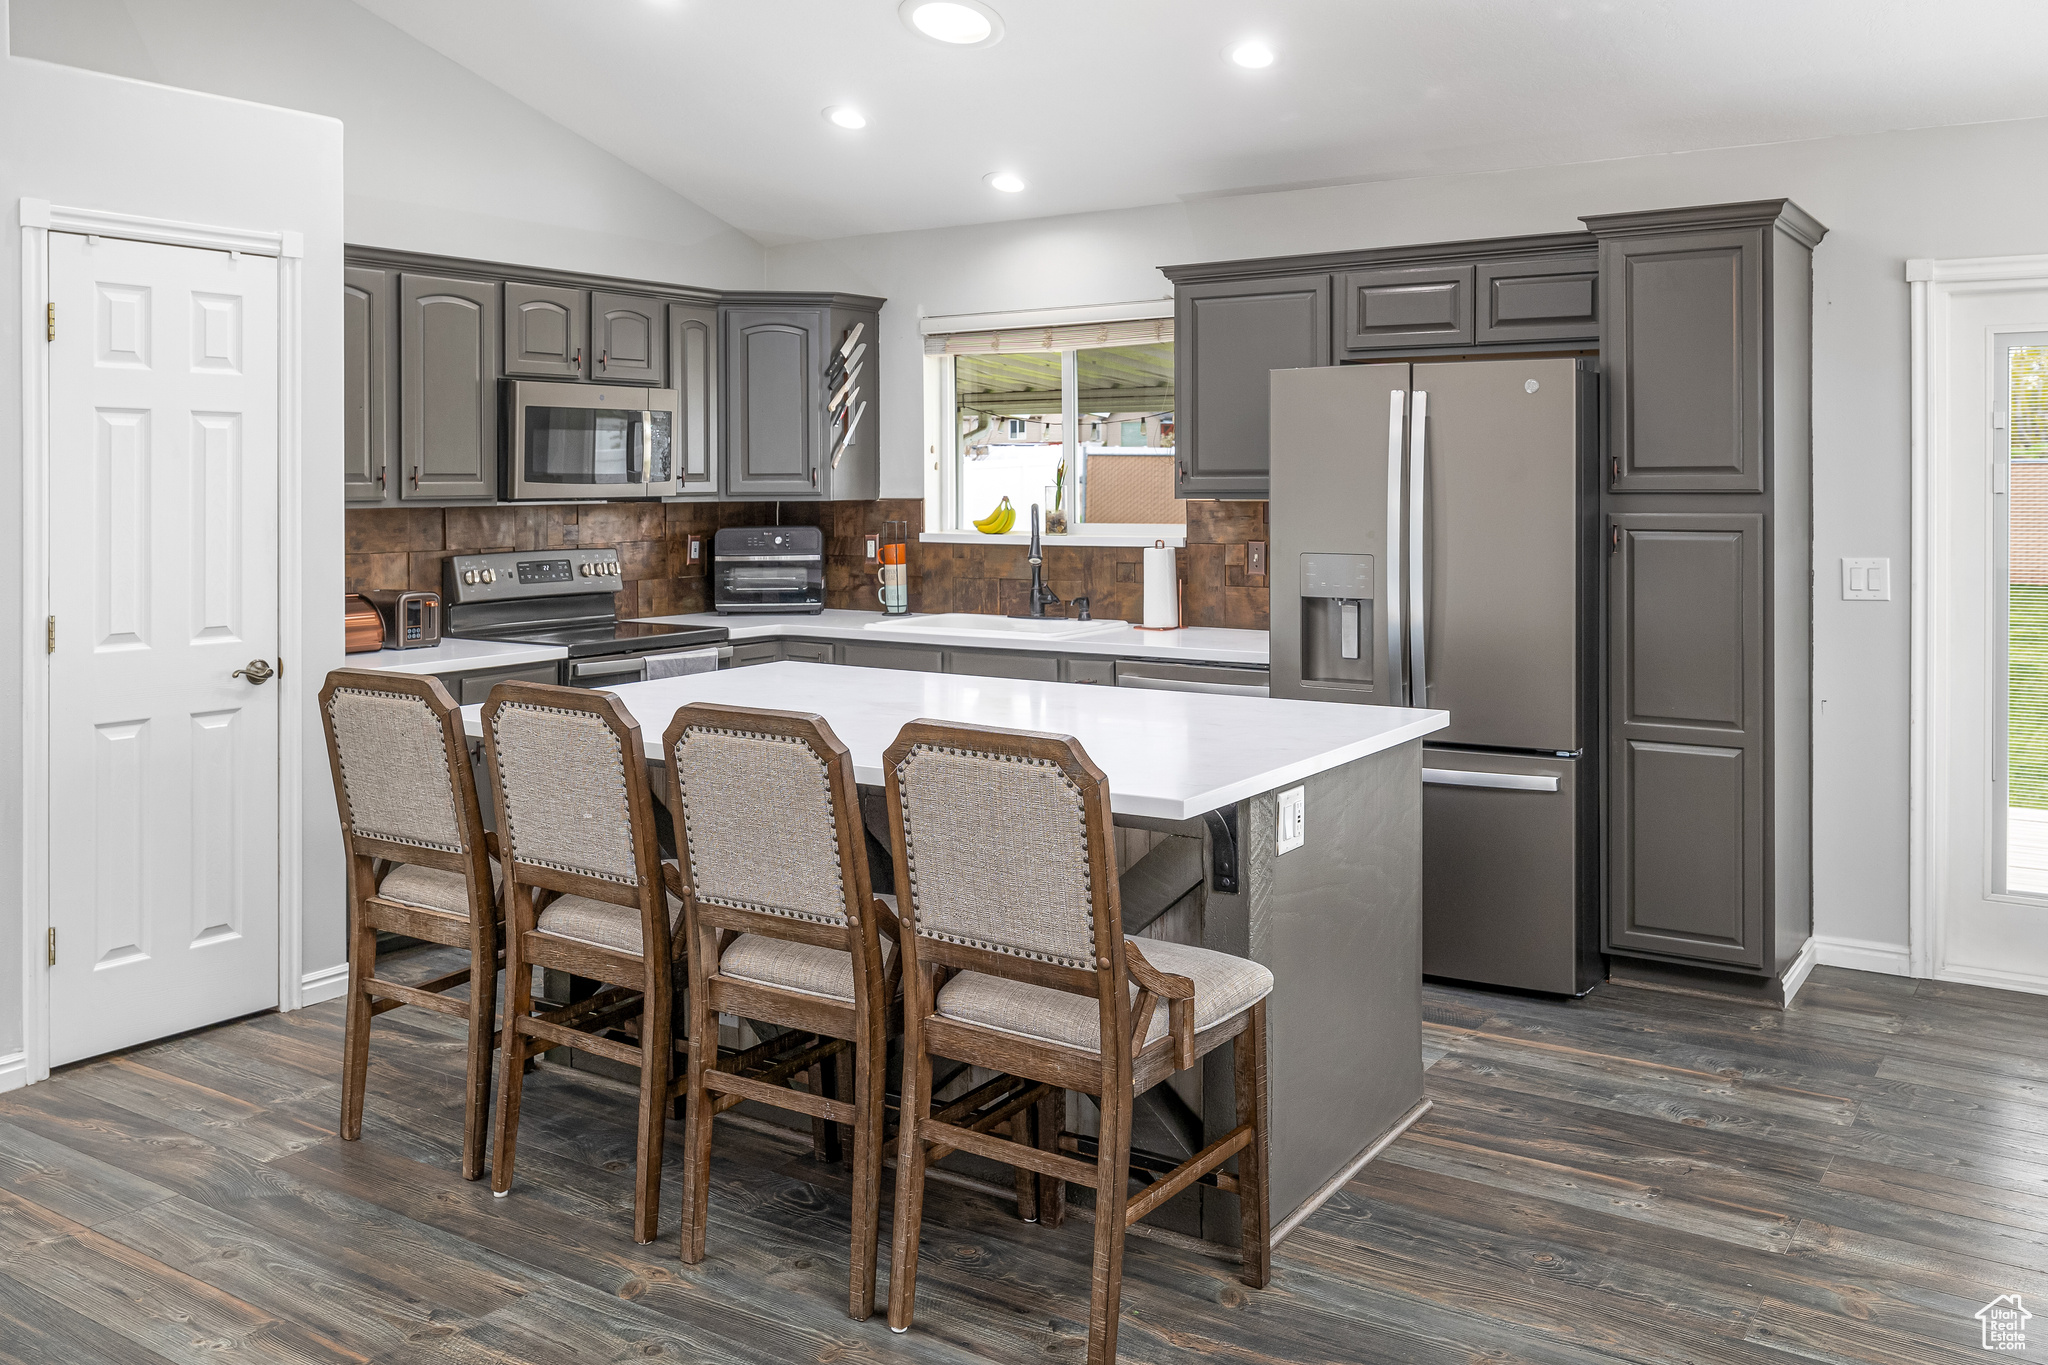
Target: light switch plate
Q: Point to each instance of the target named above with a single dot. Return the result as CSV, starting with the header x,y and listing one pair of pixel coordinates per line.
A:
x,y
1255,559
1292,826
874,548
1866,580
696,549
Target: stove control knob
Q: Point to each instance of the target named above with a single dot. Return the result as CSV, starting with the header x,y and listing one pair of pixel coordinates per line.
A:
x,y
612,568
583,569
490,576
469,575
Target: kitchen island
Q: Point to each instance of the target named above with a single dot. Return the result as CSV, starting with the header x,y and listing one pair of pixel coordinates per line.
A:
x,y
1337,918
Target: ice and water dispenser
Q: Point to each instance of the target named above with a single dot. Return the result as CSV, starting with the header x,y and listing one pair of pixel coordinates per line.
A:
x,y
1337,619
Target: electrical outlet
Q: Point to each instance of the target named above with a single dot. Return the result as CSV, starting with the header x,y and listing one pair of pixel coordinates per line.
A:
x,y
1293,821
1255,559
874,548
1866,580
696,549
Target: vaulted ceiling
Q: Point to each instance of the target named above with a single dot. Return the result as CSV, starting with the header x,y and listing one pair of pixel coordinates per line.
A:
x,y
1104,104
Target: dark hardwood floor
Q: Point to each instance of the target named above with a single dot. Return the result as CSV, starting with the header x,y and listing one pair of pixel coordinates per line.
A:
x,y
1632,1177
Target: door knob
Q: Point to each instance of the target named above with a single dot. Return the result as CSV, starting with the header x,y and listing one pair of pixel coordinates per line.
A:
x,y
258,672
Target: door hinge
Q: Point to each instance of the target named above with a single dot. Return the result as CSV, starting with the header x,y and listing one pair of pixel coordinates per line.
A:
x,y
50,324
50,636
53,946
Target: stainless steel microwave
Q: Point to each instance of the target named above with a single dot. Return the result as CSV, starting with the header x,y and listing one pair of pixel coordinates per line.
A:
x,y
567,441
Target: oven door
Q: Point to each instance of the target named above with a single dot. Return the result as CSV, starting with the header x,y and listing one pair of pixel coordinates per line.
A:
x,y
769,583
567,441
613,670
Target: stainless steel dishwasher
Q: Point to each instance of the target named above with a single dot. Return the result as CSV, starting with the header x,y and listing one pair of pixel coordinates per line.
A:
x,y
1230,680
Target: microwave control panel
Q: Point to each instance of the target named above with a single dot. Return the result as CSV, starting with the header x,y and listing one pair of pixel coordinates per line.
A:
x,y
516,574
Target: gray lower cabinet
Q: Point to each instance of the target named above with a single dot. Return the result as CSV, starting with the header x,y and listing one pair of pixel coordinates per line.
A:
x,y
1100,672
448,387
1409,306
1229,337
546,330
469,689
749,652
369,313
1034,667
1686,742
910,658
1547,300
807,651
774,413
628,339
693,374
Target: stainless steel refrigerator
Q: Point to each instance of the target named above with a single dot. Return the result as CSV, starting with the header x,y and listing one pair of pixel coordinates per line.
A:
x,y
1435,533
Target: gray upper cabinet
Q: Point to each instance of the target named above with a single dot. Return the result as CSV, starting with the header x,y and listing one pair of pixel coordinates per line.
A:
x,y
448,387
1406,307
693,374
774,412
1229,336
547,329
1686,867
628,339
369,383
1549,300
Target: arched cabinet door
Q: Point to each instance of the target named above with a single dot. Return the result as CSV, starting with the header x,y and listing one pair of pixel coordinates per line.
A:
x,y
547,331
774,414
628,341
693,374
448,387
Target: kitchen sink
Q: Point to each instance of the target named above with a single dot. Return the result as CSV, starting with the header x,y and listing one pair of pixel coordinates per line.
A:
x,y
994,627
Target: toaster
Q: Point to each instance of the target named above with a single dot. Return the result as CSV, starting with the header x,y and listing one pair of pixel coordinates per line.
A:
x,y
412,620
362,624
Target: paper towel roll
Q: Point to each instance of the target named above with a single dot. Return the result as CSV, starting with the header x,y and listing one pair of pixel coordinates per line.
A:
x,y
1162,589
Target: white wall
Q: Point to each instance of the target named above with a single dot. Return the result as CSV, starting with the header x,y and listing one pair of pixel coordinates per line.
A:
x,y
437,159
87,140
1969,191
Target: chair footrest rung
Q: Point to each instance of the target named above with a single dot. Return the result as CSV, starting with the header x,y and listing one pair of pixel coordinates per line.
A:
x,y
393,993
954,1138
733,1090
1191,1170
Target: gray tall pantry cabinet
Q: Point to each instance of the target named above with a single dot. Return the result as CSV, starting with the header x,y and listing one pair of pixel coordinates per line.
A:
x,y
1707,351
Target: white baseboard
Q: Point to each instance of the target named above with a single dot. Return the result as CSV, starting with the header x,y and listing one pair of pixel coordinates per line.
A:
x,y
1801,968
328,983
13,1071
1997,980
1863,955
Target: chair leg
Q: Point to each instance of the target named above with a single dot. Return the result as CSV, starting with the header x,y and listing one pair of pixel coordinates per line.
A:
x,y
702,1056
1248,1066
870,1077
512,1064
824,1132
355,1047
1024,1178
1050,1120
910,1151
657,1052
483,1013
1112,1196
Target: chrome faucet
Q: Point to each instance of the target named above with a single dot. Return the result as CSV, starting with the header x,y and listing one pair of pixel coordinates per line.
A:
x,y
1041,596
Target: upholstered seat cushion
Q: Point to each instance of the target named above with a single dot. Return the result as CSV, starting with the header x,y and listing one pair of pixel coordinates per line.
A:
x,y
802,967
601,922
433,888
1224,986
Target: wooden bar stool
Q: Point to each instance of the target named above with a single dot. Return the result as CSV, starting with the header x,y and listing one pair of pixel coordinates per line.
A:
x,y
783,930
419,863
1014,959
586,893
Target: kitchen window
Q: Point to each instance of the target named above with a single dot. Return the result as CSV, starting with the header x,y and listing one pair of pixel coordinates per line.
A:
x,y
1078,417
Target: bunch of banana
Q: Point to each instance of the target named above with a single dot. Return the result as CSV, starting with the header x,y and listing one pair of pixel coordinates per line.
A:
x,y
1000,520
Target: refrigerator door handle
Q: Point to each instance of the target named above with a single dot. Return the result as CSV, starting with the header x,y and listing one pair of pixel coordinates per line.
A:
x,y
1418,556
1397,408
1511,782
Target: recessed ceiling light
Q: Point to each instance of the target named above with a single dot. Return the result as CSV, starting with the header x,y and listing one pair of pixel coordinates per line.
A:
x,y
846,116
1009,182
1253,54
963,23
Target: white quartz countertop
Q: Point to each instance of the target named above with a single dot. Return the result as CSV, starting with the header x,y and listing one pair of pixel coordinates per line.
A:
x,y
1172,755
453,656
1195,645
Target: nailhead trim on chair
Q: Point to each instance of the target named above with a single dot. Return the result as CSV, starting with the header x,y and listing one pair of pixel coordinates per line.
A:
x,y
824,781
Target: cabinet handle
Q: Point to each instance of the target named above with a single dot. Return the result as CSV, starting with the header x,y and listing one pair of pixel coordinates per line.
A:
x,y
1613,539
1614,468
577,359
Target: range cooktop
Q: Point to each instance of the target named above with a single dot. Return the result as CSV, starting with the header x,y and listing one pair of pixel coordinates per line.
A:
x,y
584,639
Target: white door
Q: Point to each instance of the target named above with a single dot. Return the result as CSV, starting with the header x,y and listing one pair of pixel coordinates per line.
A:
x,y
163,582
1992,920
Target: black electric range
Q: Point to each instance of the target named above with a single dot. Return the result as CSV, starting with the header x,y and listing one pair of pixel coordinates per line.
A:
x,y
562,598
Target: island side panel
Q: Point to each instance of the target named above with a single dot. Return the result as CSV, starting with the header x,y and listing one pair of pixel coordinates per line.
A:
x,y
1339,922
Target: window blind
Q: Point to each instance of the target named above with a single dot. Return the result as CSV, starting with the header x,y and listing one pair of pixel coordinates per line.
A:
x,y
1066,337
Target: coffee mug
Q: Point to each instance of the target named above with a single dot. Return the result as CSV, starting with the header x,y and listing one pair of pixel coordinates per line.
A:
x,y
891,591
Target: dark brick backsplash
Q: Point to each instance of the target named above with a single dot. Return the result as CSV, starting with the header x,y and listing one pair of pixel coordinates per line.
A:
x,y
403,547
